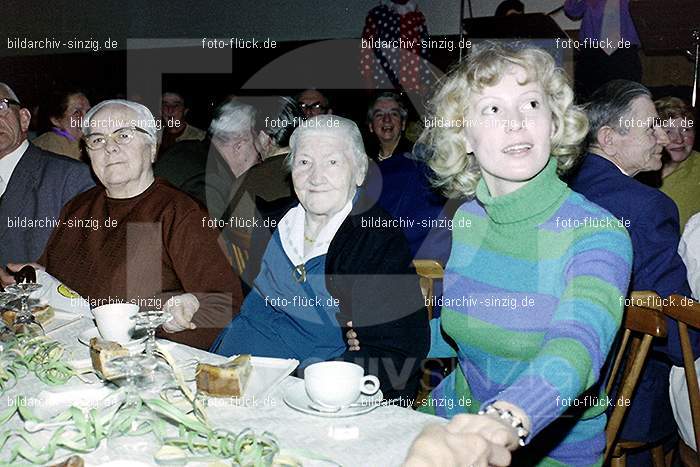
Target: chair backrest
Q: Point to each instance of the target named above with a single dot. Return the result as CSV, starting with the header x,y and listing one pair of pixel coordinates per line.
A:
x,y
428,270
686,312
240,246
642,322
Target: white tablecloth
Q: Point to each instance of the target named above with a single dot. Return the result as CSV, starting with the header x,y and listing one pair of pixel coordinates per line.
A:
x,y
379,438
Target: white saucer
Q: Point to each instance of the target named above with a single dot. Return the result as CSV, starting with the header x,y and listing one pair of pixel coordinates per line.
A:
x,y
295,396
140,335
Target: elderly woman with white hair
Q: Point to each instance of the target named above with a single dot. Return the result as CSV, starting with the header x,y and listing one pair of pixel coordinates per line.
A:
x,y
331,259
138,239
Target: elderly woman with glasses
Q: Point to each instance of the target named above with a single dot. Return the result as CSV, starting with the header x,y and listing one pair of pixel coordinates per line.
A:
x,y
138,239
333,258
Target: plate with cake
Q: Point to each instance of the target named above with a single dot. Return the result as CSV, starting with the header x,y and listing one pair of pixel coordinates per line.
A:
x,y
50,318
242,380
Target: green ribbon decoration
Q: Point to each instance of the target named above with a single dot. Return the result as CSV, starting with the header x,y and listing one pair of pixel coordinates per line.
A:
x,y
82,431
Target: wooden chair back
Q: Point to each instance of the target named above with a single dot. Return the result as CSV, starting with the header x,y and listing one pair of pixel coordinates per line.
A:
x,y
428,271
686,312
240,246
642,322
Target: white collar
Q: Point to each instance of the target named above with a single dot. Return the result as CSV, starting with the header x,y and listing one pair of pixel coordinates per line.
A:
x,y
9,162
620,168
291,229
409,7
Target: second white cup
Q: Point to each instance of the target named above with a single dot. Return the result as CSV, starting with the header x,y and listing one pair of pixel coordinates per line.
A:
x,y
338,384
115,321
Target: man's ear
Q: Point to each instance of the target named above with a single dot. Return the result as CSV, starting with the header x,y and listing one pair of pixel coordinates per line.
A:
x,y
606,139
54,121
25,117
369,125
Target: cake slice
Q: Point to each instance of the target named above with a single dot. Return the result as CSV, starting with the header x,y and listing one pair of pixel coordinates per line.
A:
x,y
101,352
43,314
226,380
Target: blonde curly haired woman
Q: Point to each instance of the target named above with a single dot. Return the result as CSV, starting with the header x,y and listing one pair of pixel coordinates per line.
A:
x,y
533,287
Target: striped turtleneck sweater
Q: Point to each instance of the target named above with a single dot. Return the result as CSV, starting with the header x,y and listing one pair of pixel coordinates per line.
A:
x,y
533,298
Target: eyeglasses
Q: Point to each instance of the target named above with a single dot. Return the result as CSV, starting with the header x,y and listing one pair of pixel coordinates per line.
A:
x,y
122,137
312,106
6,103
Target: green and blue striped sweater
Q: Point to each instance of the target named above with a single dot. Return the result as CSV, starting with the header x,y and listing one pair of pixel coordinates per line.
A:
x,y
533,298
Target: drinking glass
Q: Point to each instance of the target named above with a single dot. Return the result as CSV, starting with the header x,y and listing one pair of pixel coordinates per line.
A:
x,y
151,319
24,316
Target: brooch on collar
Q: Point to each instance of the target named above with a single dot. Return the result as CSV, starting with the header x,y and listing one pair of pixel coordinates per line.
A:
x,y
299,273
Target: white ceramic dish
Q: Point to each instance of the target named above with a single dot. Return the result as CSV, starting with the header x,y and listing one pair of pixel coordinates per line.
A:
x,y
295,397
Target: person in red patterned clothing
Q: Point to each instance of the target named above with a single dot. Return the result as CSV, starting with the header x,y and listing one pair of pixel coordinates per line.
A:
x,y
393,47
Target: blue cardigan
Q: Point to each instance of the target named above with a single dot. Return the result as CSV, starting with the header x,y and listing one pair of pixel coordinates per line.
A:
x,y
368,270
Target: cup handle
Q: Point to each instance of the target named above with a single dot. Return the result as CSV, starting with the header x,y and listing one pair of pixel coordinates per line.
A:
x,y
369,379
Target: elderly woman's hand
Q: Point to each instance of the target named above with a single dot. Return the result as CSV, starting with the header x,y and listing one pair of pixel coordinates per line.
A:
x,y
353,341
440,445
182,307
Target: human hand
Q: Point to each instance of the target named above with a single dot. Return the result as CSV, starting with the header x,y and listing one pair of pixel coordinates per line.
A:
x,y
353,341
492,429
182,307
438,445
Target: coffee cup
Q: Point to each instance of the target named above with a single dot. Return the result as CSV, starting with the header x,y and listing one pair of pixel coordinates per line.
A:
x,y
115,321
337,384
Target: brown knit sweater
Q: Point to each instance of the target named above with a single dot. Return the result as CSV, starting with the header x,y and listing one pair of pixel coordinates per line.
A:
x,y
145,249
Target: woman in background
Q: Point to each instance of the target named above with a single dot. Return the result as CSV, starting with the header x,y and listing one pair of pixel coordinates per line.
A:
x,y
680,174
64,111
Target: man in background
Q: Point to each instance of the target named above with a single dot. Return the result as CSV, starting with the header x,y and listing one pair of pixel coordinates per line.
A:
x,y
34,185
624,139
313,103
175,127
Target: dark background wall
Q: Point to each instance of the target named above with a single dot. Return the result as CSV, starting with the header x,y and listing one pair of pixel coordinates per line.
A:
x,y
158,45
